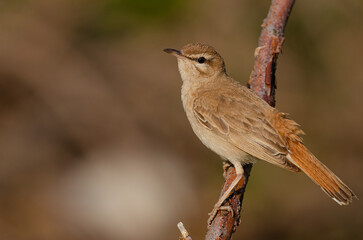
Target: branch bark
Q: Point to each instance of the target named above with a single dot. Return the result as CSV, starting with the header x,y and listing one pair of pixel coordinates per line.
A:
x,y
262,82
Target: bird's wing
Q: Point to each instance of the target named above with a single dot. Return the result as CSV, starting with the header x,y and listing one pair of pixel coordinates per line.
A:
x,y
242,120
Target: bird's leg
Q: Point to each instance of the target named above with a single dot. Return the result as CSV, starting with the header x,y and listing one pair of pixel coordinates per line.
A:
x,y
226,194
239,174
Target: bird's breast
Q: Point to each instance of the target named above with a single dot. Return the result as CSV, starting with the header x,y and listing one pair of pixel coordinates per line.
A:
x,y
210,137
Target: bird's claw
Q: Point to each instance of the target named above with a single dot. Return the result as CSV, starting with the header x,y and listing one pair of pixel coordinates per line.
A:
x,y
215,210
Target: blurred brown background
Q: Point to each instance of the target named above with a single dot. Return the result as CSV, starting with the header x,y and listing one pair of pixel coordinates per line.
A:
x,y
94,142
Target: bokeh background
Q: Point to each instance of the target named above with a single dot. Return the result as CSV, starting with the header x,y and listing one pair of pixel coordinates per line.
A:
x,y
94,143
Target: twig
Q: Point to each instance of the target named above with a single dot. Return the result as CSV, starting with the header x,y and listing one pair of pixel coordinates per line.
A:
x,y
262,82
184,232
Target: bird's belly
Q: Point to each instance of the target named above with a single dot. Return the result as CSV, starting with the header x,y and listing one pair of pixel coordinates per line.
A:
x,y
219,144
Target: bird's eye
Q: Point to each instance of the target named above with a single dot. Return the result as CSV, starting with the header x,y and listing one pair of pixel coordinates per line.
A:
x,y
201,60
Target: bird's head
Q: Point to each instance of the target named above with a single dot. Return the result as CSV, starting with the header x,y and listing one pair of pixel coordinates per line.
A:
x,y
198,61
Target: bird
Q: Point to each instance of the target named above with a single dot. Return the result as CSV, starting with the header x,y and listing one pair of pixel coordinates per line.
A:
x,y
242,128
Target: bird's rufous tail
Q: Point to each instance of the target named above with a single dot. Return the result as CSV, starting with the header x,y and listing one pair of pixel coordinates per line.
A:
x,y
319,173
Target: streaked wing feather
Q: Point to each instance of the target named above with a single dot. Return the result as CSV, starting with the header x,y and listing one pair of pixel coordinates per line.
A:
x,y
244,124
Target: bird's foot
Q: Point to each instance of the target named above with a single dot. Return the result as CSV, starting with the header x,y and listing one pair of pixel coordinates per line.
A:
x,y
215,210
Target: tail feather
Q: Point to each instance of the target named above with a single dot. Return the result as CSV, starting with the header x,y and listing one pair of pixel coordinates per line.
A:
x,y
319,173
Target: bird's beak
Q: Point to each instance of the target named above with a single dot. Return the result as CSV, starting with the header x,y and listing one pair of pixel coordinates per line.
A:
x,y
174,52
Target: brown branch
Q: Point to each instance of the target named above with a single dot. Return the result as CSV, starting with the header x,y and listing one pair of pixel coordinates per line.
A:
x,y
262,79
262,82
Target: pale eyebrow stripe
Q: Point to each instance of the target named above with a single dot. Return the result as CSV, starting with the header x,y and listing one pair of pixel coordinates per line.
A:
x,y
195,57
